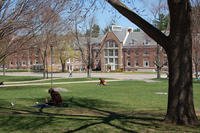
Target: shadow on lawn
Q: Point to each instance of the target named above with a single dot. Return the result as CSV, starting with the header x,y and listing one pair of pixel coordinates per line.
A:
x,y
107,117
122,122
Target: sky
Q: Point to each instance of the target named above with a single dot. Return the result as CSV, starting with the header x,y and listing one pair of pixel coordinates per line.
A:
x,y
105,17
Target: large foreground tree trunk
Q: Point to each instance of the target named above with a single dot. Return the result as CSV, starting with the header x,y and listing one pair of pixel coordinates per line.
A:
x,y
178,46
180,107
179,51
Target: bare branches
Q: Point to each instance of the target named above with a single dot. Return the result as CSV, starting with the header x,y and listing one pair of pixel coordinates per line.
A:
x,y
26,19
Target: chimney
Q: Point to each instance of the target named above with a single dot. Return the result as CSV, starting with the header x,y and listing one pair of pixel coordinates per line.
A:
x,y
130,30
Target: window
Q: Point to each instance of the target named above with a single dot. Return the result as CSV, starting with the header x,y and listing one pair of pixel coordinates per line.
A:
x,y
111,44
116,60
136,63
136,53
110,60
106,52
146,52
146,63
111,52
116,52
36,61
115,45
147,42
128,62
128,52
133,41
37,51
106,60
11,63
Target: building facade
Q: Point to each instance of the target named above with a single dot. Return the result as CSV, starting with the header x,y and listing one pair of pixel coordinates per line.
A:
x,y
126,50
120,49
25,59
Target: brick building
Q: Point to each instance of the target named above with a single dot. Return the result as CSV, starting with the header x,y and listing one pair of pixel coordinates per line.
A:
x,y
128,50
117,50
24,59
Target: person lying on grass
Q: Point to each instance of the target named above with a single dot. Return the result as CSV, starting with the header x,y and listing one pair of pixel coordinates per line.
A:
x,y
102,81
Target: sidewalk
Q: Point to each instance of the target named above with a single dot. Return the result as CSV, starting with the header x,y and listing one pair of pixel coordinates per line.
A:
x,y
122,76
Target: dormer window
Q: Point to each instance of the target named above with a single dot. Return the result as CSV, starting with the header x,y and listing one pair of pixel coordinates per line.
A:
x,y
128,52
133,41
147,42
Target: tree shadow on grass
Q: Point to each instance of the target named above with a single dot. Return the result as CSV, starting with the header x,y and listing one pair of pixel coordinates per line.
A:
x,y
108,117
98,113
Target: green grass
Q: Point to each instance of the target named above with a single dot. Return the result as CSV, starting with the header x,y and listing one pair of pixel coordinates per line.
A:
x,y
18,78
122,106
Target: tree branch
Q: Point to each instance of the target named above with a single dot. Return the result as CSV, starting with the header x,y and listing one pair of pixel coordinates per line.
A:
x,y
149,29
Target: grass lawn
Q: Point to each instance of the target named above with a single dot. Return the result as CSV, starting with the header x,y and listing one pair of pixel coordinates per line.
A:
x,y
18,78
120,107
27,79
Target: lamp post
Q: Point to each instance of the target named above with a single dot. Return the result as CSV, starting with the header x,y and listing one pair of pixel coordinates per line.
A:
x,y
51,46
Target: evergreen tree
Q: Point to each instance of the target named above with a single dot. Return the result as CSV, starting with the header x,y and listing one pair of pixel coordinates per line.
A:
x,y
162,22
95,30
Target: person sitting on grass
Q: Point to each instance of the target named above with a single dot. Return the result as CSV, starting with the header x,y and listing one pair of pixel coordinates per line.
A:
x,y
1,83
56,99
102,81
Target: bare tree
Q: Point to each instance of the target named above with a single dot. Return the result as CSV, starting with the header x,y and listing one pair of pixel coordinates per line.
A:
x,y
160,21
84,45
14,19
47,39
65,50
19,22
178,46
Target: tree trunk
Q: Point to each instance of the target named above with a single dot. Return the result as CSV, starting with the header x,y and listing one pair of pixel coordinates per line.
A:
x,y
180,108
63,67
89,71
158,61
44,70
4,70
44,66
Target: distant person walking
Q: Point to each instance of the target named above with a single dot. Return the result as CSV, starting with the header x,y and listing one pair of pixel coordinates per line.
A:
x,y
70,73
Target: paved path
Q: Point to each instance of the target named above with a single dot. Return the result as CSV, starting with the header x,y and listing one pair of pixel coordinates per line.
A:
x,y
116,76
124,76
